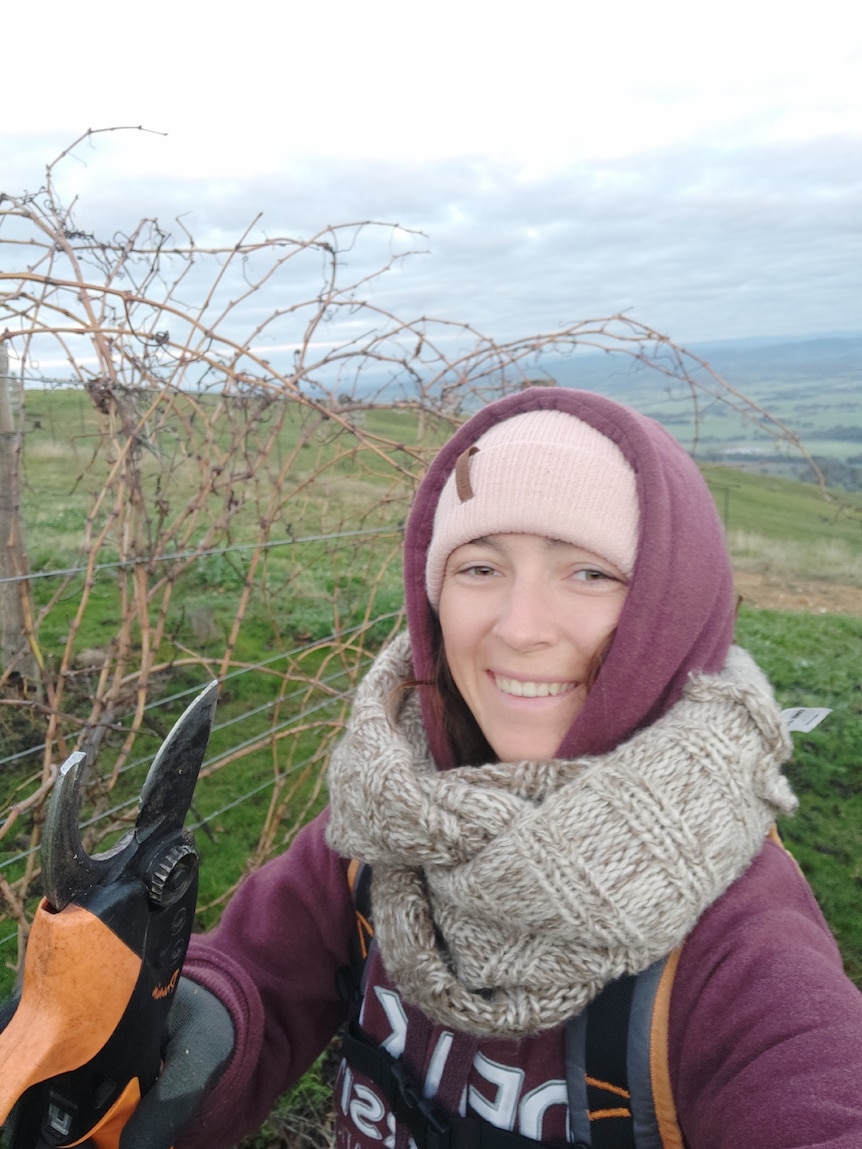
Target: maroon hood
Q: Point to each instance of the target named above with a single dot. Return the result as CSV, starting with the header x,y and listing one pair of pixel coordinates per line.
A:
x,y
680,609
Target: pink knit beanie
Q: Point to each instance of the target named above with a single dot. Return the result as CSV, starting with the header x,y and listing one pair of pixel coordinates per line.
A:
x,y
541,473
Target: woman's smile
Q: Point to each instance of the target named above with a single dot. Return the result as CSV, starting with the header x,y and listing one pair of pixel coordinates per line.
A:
x,y
528,689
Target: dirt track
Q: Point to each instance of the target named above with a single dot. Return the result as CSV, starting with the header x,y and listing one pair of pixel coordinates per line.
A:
x,y
808,597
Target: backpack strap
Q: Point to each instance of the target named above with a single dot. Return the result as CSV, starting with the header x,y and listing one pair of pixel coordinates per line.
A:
x,y
597,1072
659,1069
359,880
617,1072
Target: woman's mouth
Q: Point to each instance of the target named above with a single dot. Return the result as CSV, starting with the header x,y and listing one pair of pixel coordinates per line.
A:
x,y
521,689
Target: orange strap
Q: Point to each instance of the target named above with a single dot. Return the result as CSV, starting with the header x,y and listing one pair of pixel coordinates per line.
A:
x,y
106,1135
665,1108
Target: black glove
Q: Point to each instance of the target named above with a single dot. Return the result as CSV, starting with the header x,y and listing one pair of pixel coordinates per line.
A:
x,y
198,1043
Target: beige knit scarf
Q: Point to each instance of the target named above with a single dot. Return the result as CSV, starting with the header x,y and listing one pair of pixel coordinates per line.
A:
x,y
506,896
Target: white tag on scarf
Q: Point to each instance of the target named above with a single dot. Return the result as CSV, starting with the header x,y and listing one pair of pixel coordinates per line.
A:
x,y
804,717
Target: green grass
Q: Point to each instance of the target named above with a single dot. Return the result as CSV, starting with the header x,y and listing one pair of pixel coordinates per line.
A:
x,y
303,1117
783,509
817,661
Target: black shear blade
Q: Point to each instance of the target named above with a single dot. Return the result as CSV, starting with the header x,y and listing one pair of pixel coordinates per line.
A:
x,y
170,784
68,871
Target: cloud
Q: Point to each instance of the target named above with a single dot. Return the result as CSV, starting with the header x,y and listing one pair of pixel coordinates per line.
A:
x,y
709,240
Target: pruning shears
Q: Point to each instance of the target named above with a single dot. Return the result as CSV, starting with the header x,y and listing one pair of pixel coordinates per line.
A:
x,y
104,955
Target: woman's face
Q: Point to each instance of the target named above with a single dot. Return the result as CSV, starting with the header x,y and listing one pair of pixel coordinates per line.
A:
x,y
522,617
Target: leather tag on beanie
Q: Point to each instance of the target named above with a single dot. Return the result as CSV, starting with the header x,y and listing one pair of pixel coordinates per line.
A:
x,y
462,474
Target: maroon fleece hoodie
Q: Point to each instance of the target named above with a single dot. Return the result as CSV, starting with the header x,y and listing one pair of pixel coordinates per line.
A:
x,y
765,1042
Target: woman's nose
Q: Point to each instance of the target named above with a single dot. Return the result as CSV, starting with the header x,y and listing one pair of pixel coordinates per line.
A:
x,y
526,617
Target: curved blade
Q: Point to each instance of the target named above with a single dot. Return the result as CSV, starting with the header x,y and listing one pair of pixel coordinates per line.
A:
x,y
170,784
68,871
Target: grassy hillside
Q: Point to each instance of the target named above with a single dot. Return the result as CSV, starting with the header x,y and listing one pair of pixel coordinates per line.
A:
x,y
816,660
776,508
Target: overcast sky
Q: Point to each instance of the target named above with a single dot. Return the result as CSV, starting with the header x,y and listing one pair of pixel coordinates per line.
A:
x,y
699,167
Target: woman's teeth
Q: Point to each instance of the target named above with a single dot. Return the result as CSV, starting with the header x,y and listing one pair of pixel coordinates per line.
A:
x,y
532,689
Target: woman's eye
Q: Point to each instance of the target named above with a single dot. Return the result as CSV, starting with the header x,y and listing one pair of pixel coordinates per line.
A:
x,y
475,570
593,574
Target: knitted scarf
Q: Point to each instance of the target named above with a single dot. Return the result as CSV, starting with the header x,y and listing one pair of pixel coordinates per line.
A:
x,y
506,896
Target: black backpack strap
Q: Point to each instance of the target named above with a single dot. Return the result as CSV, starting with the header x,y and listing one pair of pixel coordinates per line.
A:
x,y
596,1070
607,1077
616,1065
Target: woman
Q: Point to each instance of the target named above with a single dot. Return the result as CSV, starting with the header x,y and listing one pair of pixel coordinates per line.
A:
x,y
562,773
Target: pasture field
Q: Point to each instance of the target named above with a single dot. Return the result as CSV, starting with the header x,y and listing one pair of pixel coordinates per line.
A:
x,y
811,385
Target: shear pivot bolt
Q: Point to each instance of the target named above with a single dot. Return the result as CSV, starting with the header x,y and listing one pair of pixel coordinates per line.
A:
x,y
172,874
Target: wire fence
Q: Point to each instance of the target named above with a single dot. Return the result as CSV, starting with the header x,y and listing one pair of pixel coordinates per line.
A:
x,y
263,773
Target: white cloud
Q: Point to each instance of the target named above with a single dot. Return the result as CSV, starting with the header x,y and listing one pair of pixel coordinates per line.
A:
x,y
698,165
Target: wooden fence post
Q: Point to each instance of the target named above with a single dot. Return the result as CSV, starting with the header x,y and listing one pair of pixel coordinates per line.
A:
x,y
18,663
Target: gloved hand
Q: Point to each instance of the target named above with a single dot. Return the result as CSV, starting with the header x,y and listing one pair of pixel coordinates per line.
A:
x,y
198,1043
